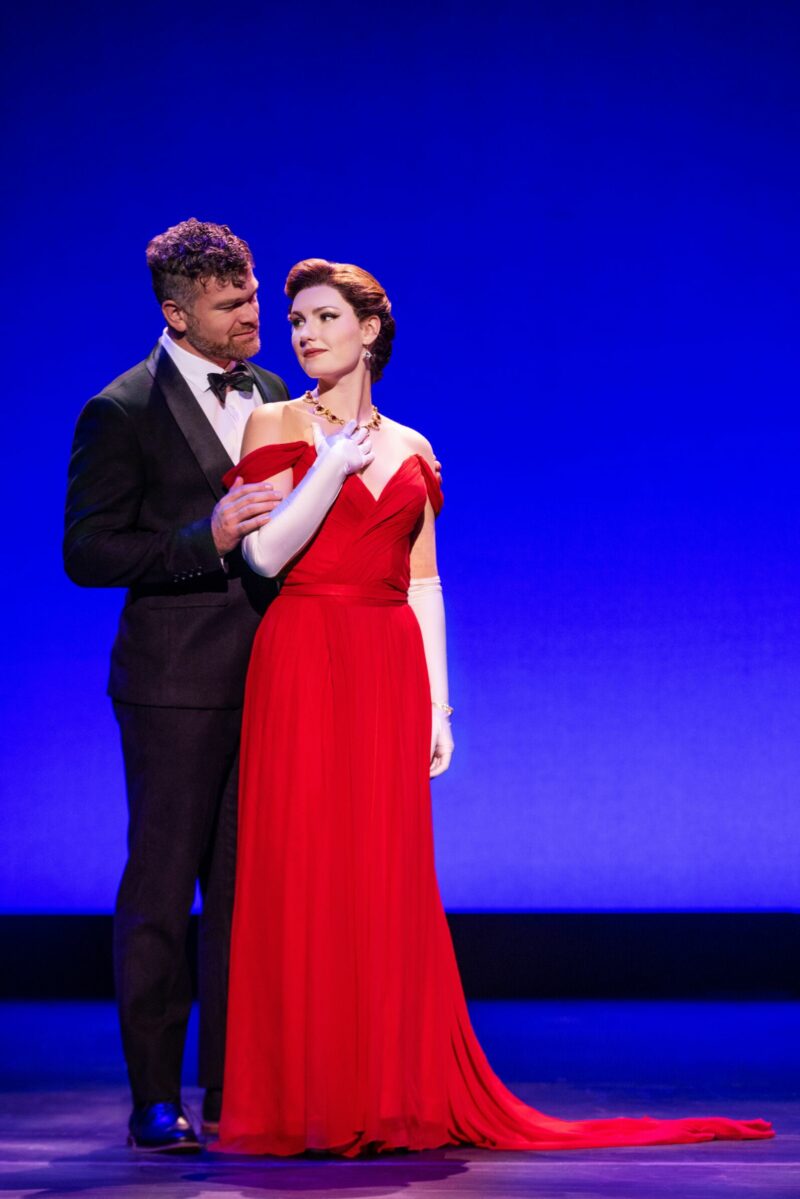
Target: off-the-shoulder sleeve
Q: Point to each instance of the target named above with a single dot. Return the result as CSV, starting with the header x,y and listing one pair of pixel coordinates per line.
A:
x,y
435,493
266,461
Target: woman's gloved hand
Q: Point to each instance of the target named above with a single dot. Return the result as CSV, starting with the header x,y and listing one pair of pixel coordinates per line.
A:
x,y
296,519
442,744
351,446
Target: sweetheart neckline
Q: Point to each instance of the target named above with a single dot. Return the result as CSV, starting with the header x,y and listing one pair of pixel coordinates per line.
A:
x,y
427,471
376,499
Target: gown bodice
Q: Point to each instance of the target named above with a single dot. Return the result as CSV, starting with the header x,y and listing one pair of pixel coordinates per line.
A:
x,y
364,541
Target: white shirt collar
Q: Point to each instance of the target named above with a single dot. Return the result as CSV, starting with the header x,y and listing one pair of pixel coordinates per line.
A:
x,y
195,370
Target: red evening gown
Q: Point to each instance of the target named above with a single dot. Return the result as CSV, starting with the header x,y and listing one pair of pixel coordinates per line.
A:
x,y
347,1025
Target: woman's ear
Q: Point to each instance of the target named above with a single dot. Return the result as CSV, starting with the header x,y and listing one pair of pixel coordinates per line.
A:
x,y
370,328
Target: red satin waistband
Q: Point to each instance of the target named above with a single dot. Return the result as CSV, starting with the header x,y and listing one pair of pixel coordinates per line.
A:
x,y
373,593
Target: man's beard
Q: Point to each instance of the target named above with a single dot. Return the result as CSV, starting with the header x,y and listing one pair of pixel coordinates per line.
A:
x,y
234,348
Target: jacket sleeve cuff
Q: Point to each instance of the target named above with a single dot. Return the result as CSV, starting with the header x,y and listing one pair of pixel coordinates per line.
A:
x,y
195,552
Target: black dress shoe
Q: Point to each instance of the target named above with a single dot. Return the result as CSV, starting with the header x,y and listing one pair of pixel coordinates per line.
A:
x,y
161,1128
212,1110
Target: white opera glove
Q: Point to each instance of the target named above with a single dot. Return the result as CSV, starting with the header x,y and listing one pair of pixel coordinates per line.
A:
x,y
296,519
427,603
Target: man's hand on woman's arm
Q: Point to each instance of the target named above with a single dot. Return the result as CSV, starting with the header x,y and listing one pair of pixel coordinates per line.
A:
x,y
246,507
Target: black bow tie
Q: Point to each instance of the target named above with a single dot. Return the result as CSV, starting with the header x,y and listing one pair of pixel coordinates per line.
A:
x,y
239,379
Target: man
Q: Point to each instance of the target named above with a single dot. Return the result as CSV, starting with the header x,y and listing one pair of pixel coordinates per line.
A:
x,y
146,510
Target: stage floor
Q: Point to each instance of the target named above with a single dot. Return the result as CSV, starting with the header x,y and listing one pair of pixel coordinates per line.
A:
x,y
64,1107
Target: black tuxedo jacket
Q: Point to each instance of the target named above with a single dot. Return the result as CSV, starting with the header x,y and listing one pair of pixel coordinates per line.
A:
x,y
145,473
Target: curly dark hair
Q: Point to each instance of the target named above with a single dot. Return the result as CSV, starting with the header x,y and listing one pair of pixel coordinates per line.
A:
x,y
363,293
194,252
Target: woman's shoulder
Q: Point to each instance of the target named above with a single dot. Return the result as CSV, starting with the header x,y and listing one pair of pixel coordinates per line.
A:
x,y
413,441
283,420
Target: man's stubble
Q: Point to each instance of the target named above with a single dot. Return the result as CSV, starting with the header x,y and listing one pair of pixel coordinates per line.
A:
x,y
236,348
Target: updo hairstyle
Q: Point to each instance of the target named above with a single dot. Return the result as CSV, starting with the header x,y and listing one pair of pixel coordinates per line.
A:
x,y
363,293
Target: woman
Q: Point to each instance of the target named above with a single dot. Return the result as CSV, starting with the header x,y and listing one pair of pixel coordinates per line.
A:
x,y
347,1026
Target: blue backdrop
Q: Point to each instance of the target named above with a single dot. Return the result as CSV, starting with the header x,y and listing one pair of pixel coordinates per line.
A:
x,y
586,217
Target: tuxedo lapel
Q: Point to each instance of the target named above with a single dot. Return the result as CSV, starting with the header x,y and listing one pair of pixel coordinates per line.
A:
x,y
262,391
207,448
259,393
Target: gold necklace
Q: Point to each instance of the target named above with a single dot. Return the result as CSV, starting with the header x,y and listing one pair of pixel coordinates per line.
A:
x,y
373,423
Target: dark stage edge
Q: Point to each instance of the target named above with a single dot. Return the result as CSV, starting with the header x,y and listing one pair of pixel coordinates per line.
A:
x,y
64,1106
500,954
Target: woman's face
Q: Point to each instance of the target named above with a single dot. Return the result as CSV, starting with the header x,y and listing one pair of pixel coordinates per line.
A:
x,y
327,337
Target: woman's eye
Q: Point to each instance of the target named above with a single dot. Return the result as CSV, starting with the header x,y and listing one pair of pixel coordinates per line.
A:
x,y
295,322
329,316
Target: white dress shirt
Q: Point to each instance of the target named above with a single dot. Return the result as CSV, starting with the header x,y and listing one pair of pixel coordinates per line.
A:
x,y
227,421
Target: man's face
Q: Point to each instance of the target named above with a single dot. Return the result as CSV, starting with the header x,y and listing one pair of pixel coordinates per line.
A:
x,y
221,323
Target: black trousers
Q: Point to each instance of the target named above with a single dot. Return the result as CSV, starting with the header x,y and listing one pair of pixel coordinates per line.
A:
x,y
181,770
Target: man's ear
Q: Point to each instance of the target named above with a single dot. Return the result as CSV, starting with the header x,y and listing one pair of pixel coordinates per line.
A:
x,y
174,316
370,328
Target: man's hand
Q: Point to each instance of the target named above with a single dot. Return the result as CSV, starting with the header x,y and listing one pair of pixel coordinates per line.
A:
x,y
246,507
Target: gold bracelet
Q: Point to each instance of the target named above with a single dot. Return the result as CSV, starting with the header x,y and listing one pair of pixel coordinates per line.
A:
x,y
448,711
